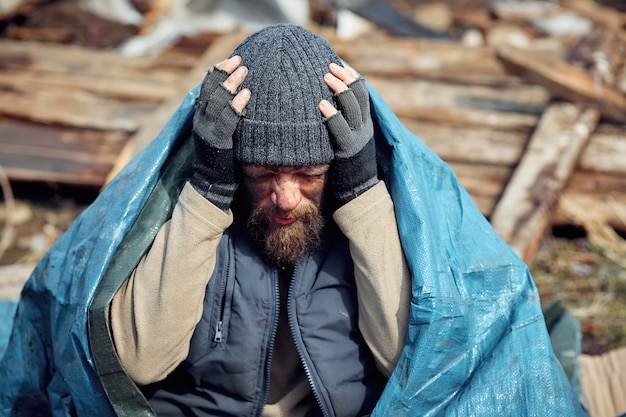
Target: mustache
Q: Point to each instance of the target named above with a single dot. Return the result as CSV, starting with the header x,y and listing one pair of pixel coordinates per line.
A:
x,y
299,211
284,245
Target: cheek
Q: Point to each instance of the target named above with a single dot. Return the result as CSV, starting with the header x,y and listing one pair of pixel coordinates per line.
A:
x,y
257,193
315,192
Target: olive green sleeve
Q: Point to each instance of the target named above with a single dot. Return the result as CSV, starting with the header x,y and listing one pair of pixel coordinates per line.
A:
x,y
154,313
382,276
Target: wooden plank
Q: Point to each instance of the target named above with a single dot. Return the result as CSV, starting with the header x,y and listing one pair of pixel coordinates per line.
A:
x,y
564,80
602,194
606,151
611,209
523,214
151,125
596,183
30,152
508,107
470,144
72,59
106,73
54,169
427,59
600,53
54,138
125,88
78,109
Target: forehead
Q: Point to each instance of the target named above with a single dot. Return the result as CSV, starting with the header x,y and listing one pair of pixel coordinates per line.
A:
x,y
256,170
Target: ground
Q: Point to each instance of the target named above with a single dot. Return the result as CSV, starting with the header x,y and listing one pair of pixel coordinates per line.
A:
x,y
567,266
589,283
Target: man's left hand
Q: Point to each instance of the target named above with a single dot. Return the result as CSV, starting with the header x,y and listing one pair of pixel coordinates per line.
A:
x,y
354,169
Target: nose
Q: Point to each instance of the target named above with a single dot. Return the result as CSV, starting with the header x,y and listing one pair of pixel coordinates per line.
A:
x,y
286,193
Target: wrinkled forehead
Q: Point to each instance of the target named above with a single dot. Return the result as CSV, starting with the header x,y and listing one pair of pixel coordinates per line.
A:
x,y
256,170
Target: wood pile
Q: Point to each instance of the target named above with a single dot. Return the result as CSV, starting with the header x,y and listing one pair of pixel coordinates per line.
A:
x,y
535,129
534,124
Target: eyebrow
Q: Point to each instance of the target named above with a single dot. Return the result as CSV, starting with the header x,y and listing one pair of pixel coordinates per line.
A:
x,y
254,171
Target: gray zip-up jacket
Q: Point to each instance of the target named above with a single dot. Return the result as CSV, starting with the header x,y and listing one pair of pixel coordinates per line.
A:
x,y
155,313
227,371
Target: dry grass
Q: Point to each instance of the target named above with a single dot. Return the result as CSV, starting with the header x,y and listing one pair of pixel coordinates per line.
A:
x,y
591,284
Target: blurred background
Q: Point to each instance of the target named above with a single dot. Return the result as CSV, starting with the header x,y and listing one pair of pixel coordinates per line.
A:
x,y
524,99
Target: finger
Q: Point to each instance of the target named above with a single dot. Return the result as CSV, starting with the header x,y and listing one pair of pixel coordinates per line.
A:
x,y
339,129
225,126
235,79
230,64
241,100
350,107
334,83
359,89
345,74
218,101
327,109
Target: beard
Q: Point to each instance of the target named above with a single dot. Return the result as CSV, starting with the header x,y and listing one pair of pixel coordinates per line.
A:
x,y
284,245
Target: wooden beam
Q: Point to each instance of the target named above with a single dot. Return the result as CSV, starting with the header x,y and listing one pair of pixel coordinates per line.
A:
x,y
606,151
470,144
31,152
523,213
600,193
427,59
610,208
514,107
50,58
564,80
124,88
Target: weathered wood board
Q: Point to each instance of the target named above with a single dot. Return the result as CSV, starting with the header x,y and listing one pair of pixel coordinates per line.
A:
x,y
31,152
522,215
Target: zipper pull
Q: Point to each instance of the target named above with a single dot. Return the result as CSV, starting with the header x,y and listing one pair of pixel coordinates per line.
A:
x,y
218,332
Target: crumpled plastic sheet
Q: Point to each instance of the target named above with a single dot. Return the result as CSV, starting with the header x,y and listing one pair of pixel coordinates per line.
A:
x,y
7,311
477,342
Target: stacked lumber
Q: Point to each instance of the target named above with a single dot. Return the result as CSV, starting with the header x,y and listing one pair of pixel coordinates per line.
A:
x,y
529,130
67,112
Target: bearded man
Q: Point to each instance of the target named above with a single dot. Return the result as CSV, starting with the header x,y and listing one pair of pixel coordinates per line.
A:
x,y
278,287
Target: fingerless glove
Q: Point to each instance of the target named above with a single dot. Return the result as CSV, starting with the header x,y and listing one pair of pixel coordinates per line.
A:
x,y
353,171
215,175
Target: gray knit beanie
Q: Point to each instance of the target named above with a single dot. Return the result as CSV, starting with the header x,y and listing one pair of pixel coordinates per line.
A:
x,y
282,124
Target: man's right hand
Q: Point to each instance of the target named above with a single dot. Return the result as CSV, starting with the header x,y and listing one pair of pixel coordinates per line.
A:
x,y
218,111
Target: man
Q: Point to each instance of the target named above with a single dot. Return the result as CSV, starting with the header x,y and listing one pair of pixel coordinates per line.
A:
x,y
279,286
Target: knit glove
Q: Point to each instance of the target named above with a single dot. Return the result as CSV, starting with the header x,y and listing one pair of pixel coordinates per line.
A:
x,y
353,171
215,173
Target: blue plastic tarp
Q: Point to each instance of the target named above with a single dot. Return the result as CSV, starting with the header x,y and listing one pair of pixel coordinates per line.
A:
x,y
7,311
477,343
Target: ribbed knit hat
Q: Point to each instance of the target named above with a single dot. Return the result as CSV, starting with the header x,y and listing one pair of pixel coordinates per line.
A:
x,y
282,124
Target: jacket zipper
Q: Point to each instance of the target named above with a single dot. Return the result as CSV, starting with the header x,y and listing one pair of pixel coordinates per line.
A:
x,y
298,343
222,302
270,349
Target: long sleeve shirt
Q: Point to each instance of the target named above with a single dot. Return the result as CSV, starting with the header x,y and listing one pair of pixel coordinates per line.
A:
x,y
154,314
